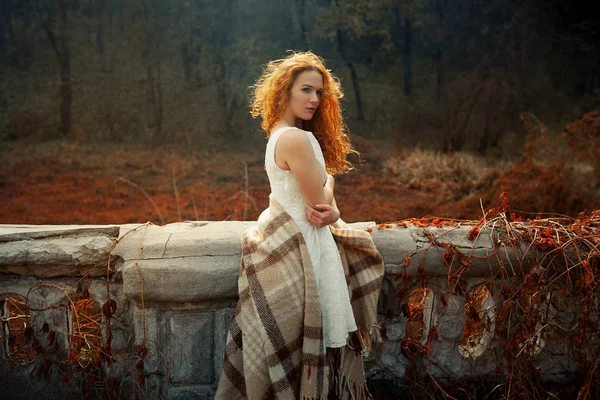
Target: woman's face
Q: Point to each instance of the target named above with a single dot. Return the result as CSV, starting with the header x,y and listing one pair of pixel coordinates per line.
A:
x,y
305,96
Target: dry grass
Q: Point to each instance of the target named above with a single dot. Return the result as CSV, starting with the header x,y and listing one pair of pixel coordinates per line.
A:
x,y
451,176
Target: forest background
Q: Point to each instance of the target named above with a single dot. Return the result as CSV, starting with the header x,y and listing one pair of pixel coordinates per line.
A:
x,y
115,111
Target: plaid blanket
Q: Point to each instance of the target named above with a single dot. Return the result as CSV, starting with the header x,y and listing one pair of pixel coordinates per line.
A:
x,y
275,347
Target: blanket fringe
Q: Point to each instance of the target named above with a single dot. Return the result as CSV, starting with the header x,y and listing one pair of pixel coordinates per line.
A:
x,y
341,383
375,333
324,397
362,340
345,388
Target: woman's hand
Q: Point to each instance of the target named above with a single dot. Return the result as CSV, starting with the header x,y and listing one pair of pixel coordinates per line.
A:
x,y
322,214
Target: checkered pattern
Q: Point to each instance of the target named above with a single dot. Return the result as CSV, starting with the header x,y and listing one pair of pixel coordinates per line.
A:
x,y
275,347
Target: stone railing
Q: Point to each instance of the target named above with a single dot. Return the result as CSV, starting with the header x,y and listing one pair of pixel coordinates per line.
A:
x,y
170,292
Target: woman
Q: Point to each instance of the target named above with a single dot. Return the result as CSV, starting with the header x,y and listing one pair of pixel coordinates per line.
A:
x,y
290,334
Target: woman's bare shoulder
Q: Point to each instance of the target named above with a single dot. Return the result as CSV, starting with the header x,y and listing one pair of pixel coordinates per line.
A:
x,y
293,137
294,145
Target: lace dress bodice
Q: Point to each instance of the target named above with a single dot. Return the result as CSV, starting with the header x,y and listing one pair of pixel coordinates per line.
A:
x,y
338,318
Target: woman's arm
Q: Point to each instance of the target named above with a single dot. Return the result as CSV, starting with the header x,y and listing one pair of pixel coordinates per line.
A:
x,y
295,153
323,214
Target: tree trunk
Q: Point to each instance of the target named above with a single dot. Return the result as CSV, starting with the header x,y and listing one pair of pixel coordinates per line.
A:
x,y
591,84
303,31
496,111
11,30
359,106
407,57
66,92
353,76
158,104
489,139
190,53
99,29
154,93
227,98
25,45
186,60
457,128
61,49
151,58
122,15
4,22
439,50
439,72
297,9
397,31
226,104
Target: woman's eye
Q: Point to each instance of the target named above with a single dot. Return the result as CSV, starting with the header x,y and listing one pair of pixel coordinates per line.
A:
x,y
319,93
307,90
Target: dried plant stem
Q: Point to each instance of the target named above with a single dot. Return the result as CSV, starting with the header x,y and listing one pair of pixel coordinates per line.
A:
x,y
195,210
205,205
127,181
137,265
176,195
446,395
6,319
245,188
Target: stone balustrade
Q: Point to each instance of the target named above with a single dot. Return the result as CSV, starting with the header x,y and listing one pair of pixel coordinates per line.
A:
x,y
174,290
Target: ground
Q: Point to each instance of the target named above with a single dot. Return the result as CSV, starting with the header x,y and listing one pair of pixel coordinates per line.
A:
x,y
70,182
65,182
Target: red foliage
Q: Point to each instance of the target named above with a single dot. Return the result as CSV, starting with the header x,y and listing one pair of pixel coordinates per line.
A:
x,y
473,233
443,300
141,350
51,337
109,308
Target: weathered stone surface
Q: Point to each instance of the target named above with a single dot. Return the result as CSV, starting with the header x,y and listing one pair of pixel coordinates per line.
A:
x,y
557,366
47,252
446,360
194,392
180,240
58,320
395,328
450,327
39,293
396,243
386,360
182,279
222,321
13,233
147,324
190,342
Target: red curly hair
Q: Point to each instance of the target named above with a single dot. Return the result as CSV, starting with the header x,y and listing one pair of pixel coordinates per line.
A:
x,y
270,97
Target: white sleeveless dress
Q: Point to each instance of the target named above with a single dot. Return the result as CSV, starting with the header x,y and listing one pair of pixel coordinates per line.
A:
x,y
338,318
